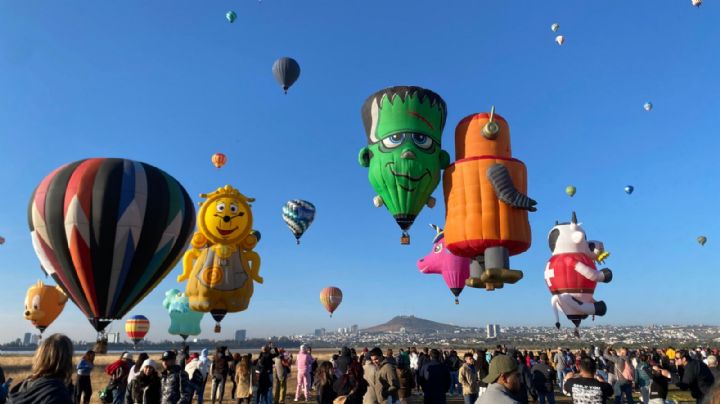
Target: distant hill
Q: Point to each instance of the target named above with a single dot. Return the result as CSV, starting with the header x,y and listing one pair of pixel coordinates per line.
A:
x,y
413,325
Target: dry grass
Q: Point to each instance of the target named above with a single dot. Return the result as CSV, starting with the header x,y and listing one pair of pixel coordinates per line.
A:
x,y
18,367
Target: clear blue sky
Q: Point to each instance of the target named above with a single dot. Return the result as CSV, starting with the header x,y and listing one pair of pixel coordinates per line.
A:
x,y
171,82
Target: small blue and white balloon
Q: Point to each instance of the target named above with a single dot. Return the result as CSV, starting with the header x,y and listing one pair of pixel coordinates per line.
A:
x,y
629,189
298,215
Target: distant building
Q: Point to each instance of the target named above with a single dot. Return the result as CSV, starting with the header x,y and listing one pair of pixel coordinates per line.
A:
x,y
113,338
496,327
319,332
354,329
34,339
240,335
490,331
402,330
26,339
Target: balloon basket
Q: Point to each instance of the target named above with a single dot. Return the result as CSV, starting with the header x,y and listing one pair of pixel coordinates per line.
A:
x,y
405,239
457,301
217,328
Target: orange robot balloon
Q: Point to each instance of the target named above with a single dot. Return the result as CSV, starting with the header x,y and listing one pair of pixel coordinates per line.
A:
x,y
486,201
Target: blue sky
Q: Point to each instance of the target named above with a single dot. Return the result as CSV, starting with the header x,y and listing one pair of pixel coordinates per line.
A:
x,y
172,82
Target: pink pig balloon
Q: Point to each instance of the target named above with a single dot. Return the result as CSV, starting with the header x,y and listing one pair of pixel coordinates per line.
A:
x,y
454,270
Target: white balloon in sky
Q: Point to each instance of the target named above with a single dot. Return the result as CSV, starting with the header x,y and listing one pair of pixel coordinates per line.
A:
x,y
560,39
555,27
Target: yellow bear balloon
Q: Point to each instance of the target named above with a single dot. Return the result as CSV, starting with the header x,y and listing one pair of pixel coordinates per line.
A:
x,y
220,266
43,304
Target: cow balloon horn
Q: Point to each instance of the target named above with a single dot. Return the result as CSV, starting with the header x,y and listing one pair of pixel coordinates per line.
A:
x,y
574,218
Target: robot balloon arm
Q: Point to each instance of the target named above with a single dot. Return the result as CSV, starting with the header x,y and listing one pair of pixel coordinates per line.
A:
x,y
505,190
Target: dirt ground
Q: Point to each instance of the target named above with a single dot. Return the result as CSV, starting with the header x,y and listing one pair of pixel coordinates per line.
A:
x,y
18,367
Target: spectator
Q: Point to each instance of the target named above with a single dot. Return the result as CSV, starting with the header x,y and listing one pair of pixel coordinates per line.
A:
x,y
503,381
50,375
434,378
405,378
661,378
543,380
343,361
696,376
145,387
243,379
281,371
454,364
304,363
712,363
264,371
219,371
352,384
643,377
561,366
119,372
588,388
369,375
386,381
468,378
324,382
483,367
136,367
184,355
195,374
624,374
83,387
174,382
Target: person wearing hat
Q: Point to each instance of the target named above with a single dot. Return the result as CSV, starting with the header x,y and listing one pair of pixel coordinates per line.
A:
x,y
175,383
503,381
145,386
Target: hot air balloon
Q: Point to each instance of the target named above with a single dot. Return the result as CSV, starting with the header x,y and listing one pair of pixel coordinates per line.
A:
x,y
570,190
560,39
697,3
454,270
43,304
648,106
108,231
298,215
286,71
2,240
331,297
702,240
220,265
219,160
629,189
571,274
231,16
555,27
183,321
137,327
404,131
492,225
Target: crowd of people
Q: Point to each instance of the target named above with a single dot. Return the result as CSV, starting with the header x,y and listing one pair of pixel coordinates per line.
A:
x,y
497,376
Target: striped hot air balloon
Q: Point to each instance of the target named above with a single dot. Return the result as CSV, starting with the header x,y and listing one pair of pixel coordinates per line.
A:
x,y
108,231
298,215
331,297
137,327
219,159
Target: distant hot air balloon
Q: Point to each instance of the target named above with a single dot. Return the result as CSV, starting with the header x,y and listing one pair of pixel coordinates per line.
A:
x,y
219,159
570,190
330,298
298,215
2,240
702,240
560,39
555,27
137,327
286,71
108,231
629,189
648,106
231,16
697,3
43,304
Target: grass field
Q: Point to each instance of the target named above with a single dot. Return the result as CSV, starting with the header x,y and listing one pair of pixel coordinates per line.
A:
x,y
18,367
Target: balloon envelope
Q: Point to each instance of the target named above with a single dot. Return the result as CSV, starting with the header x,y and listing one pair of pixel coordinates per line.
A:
x,y
570,190
560,39
648,106
555,27
629,189
43,304
2,240
286,71
183,320
218,159
108,231
702,240
231,16
331,297
137,327
697,3
298,215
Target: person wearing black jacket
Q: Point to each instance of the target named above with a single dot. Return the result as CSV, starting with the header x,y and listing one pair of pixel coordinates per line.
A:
x,y
660,378
543,380
696,376
343,362
434,377
264,369
525,378
174,382
219,371
454,364
146,386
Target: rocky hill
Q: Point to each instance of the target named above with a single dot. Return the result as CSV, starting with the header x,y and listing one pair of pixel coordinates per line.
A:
x,y
412,325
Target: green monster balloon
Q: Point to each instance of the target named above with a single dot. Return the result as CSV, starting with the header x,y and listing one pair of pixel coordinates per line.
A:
x,y
404,127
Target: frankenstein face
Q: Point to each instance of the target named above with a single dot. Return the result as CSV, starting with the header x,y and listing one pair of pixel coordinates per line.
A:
x,y
404,128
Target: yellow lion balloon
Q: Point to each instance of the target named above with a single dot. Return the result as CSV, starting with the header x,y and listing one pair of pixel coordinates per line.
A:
x,y
220,266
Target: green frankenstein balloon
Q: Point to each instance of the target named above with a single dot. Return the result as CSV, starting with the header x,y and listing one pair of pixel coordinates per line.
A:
x,y
404,127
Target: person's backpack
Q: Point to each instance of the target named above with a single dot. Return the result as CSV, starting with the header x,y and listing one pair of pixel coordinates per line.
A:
x,y
628,372
106,395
